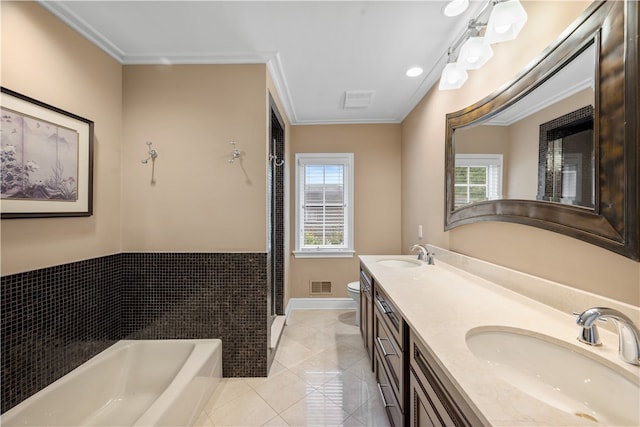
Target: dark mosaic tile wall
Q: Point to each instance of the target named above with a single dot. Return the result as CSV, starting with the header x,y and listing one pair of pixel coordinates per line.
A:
x,y
54,319
549,175
200,295
278,217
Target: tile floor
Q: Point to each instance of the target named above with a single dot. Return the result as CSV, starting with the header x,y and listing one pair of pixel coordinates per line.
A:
x,y
321,375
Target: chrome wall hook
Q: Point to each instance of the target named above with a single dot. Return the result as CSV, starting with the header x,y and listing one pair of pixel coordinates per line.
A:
x,y
235,154
153,154
274,159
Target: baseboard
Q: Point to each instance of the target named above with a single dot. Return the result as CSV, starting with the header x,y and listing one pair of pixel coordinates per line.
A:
x,y
319,304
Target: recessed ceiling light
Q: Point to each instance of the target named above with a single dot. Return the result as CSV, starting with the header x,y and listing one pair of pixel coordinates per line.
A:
x,y
414,72
456,7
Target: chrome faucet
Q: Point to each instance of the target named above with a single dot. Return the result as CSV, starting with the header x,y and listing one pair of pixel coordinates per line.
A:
x,y
424,254
422,251
628,334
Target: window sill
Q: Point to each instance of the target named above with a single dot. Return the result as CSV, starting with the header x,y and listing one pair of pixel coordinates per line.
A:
x,y
324,254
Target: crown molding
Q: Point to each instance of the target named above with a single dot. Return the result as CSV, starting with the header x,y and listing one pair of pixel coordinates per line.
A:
x,y
271,59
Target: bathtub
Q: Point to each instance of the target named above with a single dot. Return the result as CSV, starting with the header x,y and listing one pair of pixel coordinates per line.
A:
x,y
132,383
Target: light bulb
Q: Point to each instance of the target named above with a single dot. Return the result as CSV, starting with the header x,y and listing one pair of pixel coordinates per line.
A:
x,y
453,77
474,53
501,29
505,22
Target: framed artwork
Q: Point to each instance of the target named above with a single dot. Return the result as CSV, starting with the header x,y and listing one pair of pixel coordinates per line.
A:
x,y
46,160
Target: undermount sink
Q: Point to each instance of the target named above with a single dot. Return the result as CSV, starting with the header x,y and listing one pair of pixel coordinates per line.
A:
x,y
559,375
399,262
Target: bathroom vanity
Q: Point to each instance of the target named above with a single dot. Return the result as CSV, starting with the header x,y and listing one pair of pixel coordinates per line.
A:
x,y
438,332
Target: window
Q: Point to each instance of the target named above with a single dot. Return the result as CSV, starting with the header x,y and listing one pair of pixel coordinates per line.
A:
x,y
478,177
324,205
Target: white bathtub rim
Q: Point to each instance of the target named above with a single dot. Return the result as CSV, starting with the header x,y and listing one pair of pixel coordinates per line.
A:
x,y
14,414
189,371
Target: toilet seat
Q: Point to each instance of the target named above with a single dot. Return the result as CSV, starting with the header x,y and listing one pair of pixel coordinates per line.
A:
x,y
354,286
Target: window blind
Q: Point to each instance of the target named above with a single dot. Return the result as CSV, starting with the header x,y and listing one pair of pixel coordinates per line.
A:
x,y
324,206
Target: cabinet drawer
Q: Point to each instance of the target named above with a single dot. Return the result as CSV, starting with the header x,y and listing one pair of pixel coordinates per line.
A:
x,y
389,353
389,399
390,315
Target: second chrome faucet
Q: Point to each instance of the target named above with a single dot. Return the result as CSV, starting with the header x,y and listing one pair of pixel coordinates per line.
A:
x,y
628,334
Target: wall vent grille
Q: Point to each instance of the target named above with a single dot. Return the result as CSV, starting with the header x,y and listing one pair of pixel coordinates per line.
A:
x,y
320,287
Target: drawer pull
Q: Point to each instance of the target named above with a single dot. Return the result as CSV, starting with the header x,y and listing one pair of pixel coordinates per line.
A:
x,y
383,305
384,350
384,401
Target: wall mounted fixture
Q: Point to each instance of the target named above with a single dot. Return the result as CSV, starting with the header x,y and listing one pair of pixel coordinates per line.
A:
x,y
235,154
453,75
152,154
505,22
274,159
471,51
475,51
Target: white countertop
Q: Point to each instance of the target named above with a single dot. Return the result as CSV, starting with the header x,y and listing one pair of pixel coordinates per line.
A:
x,y
441,303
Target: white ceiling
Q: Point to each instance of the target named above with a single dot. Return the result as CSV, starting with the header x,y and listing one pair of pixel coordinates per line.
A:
x,y
315,50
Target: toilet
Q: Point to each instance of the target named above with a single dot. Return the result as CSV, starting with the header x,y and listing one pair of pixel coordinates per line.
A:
x,y
353,289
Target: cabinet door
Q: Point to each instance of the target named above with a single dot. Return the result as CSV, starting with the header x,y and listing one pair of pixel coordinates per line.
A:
x,y
425,408
438,399
366,312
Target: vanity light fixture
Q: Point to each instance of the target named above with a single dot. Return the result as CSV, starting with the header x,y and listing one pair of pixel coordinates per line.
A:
x,y
470,51
475,52
453,75
505,22
455,7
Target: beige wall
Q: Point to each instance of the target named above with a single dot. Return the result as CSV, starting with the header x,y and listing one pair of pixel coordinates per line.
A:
x,y
539,252
191,113
44,59
377,186
199,201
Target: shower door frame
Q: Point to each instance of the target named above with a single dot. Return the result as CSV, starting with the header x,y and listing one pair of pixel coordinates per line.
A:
x,y
276,178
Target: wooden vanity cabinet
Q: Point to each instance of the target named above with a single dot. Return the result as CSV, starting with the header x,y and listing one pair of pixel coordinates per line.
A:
x,y
414,389
433,399
390,360
366,312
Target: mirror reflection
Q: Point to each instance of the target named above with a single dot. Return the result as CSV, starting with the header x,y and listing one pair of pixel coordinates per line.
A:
x,y
542,147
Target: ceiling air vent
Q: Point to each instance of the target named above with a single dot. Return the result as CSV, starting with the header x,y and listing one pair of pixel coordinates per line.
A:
x,y
358,98
320,287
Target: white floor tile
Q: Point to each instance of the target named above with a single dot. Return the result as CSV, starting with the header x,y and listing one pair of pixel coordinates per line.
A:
x,y
315,409
321,375
248,409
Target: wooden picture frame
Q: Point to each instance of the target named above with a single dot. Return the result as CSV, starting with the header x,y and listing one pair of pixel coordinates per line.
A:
x,y
46,160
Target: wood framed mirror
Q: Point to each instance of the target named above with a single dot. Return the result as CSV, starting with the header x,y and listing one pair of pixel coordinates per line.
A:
x,y
570,159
